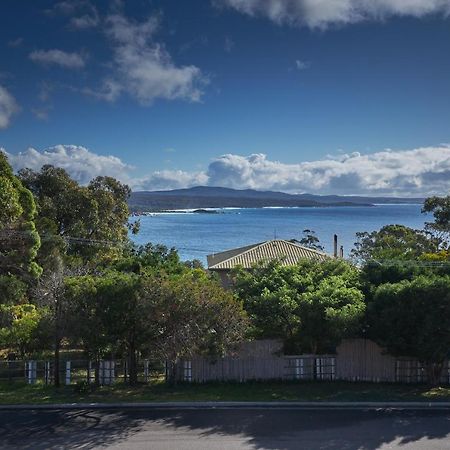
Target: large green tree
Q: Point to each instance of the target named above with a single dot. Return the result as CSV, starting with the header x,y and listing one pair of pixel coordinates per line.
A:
x,y
155,314
111,316
193,315
412,318
392,243
89,222
440,227
19,241
311,306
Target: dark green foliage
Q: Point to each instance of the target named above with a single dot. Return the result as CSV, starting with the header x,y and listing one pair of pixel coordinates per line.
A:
x,y
311,306
149,258
167,317
19,241
96,215
393,242
412,318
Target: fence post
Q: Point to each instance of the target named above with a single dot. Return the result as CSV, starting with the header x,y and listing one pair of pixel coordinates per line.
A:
x,y
31,371
89,370
318,368
297,368
333,368
68,367
47,372
146,370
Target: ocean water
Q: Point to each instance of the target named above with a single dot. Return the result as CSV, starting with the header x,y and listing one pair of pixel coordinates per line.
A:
x,y
197,235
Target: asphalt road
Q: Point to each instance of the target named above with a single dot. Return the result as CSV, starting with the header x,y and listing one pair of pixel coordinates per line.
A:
x,y
225,429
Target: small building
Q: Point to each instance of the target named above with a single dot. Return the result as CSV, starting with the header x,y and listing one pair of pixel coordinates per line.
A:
x,y
287,252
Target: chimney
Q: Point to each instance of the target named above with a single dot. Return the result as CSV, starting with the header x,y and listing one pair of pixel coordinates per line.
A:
x,y
335,252
342,252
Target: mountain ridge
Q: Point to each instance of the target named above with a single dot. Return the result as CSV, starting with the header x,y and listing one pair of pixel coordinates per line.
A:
x,y
221,197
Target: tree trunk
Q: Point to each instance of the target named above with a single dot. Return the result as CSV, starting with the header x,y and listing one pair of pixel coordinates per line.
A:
x,y
434,372
172,377
132,366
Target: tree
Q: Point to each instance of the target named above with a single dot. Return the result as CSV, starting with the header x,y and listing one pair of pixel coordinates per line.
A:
x,y
19,241
440,228
150,258
18,326
156,314
393,242
412,318
193,315
311,306
310,240
83,222
111,316
51,296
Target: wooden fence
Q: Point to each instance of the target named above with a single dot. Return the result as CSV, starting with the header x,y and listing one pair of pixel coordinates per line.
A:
x,y
355,360
73,372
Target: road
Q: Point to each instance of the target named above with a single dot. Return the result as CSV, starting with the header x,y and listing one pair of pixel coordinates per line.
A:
x,y
229,429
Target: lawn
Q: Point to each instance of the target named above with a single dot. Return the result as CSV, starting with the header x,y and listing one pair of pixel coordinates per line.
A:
x,y
16,393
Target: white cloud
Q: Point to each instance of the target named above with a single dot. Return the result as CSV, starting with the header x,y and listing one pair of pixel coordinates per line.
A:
x,y
422,171
144,68
302,65
170,179
85,21
59,58
323,13
84,14
78,161
8,107
417,172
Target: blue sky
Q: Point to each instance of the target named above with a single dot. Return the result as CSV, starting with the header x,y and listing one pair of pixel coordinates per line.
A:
x,y
295,95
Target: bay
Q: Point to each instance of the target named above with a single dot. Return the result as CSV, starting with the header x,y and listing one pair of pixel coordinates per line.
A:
x,y
196,235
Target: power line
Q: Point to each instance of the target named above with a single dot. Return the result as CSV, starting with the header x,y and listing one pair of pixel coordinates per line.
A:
x,y
19,235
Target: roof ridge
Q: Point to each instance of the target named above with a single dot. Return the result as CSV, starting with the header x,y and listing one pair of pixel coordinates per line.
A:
x,y
268,250
243,253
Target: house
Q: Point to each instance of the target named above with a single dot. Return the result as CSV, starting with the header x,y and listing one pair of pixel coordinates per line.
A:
x,y
287,252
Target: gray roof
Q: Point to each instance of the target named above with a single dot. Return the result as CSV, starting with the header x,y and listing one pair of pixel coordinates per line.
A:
x,y
287,252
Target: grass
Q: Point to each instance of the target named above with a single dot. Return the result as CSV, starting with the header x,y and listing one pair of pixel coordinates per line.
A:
x,y
16,393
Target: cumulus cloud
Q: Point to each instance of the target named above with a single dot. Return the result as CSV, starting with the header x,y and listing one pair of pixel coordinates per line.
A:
x,y
143,67
323,13
8,107
422,171
59,58
417,172
78,161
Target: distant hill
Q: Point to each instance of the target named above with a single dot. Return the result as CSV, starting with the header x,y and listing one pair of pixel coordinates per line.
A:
x,y
218,197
